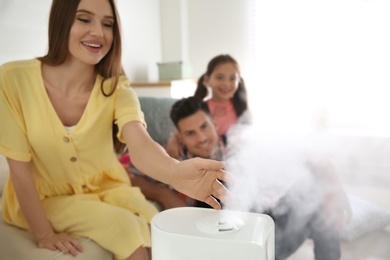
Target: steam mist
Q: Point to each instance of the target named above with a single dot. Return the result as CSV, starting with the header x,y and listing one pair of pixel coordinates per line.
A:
x,y
268,165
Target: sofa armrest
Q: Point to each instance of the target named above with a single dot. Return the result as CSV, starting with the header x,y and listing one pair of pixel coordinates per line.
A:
x,y
4,173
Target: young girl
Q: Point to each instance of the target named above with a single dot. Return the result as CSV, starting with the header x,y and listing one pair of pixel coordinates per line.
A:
x,y
227,101
57,115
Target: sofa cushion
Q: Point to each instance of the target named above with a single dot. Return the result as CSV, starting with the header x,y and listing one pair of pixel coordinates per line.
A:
x,y
157,110
4,172
20,244
366,218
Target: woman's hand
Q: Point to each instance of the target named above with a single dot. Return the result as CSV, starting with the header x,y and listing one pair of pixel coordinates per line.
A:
x,y
62,242
201,179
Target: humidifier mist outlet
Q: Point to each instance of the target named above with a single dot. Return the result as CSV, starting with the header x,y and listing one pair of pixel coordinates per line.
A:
x,y
216,223
190,233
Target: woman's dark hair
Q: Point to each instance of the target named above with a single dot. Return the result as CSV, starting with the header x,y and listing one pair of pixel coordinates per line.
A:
x,y
240,102
62,16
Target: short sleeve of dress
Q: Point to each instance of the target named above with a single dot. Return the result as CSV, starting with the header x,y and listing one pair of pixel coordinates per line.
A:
x,y
13,138
127,106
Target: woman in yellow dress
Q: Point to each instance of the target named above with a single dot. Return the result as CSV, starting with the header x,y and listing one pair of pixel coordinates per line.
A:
x,y
57,114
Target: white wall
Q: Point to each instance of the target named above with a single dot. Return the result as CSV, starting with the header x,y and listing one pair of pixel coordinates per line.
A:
x,y
213,27
153,31
174,30
217,27
23,30
141,38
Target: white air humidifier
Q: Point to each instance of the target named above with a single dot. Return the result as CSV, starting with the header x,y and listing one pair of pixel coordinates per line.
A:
x,y
191,233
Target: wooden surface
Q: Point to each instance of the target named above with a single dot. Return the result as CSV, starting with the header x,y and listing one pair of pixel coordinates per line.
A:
x,y
150,84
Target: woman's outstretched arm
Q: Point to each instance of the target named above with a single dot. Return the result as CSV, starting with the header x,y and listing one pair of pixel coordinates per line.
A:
x,y
197,178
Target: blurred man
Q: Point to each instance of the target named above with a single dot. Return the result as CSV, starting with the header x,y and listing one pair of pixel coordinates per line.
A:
x,y
196,131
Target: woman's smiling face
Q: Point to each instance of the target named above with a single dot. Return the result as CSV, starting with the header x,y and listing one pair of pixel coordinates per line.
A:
x,y
91,35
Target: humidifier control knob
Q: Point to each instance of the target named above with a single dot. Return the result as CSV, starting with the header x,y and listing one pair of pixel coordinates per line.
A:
x,y
216,223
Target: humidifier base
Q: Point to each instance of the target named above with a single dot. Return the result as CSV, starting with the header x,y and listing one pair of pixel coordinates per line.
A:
x,y
198,233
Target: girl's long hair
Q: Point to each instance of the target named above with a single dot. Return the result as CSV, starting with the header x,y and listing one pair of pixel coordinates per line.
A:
x,y
240,99
62,16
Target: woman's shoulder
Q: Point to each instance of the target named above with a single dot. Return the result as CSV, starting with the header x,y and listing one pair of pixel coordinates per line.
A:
x,y
18,65
123,90
123,82
121,85
17,73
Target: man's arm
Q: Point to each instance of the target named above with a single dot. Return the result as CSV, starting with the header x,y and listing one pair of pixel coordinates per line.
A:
x,y
159,193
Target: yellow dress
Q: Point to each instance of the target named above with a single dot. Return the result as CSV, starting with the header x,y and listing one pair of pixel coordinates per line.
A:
x,y
84,190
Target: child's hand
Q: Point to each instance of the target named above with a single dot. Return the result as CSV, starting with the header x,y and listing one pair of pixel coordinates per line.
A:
x,y
62,242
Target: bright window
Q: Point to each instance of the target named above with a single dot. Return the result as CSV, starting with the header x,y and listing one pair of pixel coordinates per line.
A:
x,y
322,65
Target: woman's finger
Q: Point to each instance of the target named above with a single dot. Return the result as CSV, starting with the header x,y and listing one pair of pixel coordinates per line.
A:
x,y
47,246
60,246
76,243
222,193
213,202
226,177
72,249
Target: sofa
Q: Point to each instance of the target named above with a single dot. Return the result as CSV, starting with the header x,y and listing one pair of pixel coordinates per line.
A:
x,y
366,237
